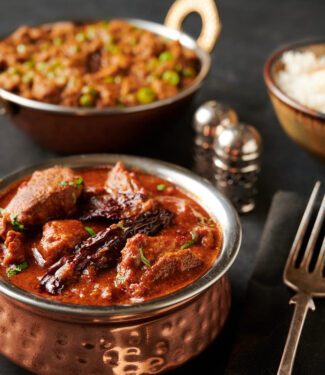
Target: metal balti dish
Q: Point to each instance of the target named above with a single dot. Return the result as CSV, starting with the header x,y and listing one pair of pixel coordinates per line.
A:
x,y
74,130
48,337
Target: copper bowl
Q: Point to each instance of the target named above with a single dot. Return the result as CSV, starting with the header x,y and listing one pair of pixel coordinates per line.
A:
x,y
77,130
48,337
302,124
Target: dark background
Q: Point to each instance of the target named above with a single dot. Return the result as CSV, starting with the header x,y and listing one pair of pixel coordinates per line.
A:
x,y
252,29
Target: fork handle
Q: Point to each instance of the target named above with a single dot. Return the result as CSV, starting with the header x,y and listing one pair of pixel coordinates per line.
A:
x,y
303,302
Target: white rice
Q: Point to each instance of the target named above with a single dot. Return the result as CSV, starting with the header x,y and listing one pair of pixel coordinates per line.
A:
x,y
303,78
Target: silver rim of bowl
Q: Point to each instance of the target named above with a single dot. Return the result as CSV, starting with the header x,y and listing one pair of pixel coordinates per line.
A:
x,y
201,190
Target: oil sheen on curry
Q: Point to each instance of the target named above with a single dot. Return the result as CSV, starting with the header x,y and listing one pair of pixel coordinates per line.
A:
x,y
103,236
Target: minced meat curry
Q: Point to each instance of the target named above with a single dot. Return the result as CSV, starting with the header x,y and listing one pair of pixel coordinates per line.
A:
x,y
102,64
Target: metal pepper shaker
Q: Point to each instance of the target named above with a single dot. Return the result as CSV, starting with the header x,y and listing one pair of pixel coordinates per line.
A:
x,y
207,118
237,149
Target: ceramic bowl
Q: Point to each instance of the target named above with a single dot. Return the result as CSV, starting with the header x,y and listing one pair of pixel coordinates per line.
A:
x,y
303,125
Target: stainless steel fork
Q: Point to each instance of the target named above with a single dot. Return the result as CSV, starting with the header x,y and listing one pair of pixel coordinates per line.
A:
x,y
307,284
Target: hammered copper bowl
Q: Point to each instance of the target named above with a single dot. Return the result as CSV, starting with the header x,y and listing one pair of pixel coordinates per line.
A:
x,y
48,337
78,130
302,124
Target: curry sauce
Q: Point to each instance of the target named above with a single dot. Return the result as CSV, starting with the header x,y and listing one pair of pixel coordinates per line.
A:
x,y
103,236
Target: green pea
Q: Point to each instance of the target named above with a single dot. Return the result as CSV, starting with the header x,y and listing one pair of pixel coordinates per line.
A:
x,y
41,66
21,48
189,72
58,41
29,64
112,48
81,37
91,32
74,49
133,41
89,90
166,56
51,75
44,46
109,39
28,77
145,95
86,100
109,79
55,65
152,64
171,77
62,80
13,71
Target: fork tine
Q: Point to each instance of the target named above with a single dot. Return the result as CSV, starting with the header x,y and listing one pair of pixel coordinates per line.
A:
x,y
314,235
321,259
303,226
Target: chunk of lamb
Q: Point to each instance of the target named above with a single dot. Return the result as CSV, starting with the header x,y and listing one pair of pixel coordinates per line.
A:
x,y
124,197
121,181
49,194
14,250
128,191
59,238
208,236
137,277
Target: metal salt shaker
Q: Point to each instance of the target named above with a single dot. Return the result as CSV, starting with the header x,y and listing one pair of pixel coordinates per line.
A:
x,y
207,118
237,149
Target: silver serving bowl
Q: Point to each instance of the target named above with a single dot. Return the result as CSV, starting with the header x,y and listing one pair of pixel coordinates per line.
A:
x,y
74,130
49,337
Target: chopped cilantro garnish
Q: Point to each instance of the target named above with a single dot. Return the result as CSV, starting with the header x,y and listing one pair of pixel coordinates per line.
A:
x,y
90,231
13,270
16,225
190,242
77,183
207,222
119,277
144,260
161,187
74,198
121,226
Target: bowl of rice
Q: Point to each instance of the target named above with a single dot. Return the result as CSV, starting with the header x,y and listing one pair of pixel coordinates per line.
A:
x,y
295,80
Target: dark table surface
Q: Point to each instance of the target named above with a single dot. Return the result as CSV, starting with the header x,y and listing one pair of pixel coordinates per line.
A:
x,y
252,29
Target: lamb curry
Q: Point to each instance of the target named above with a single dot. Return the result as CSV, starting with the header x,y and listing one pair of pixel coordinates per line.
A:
x,y
103,236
